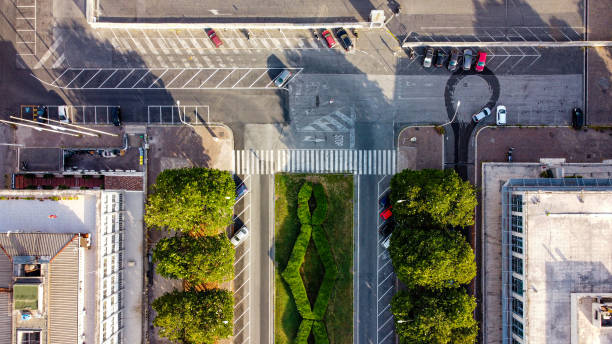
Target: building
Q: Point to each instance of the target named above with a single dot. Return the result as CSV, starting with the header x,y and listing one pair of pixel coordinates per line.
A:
x,y
63,262
546,252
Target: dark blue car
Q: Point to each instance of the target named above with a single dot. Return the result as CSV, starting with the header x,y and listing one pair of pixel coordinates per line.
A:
x,y
241,190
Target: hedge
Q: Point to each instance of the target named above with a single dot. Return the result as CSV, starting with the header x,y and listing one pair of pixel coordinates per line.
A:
x,y
305,193
331,271
320,212
320,333
303,332
304,214
292,276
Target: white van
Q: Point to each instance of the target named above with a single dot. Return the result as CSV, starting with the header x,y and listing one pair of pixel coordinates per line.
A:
x,y
63,114
500,119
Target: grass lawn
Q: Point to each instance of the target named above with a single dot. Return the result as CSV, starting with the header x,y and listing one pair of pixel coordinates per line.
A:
x,y
339,230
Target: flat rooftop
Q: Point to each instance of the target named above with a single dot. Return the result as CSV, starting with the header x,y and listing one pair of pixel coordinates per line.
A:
x,y
569,236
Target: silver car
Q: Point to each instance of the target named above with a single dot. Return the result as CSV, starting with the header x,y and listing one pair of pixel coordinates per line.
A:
x,y
240,236
428,58
467,59
481,115
282,78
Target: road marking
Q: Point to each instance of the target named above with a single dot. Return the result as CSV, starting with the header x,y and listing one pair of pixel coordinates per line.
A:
x,y
49,52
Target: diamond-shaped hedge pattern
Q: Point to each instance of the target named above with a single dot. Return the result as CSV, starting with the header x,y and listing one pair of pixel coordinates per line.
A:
x,y
312,318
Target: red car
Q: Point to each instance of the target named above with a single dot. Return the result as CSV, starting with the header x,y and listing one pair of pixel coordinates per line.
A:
x,y
213,37
331,42
386,214
482,58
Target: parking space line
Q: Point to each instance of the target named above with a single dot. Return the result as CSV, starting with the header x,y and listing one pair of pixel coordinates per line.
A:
x,y
245,209
245,74
98,72
246,266
386,278
387,336
142,77
385,323
210,76
262,74
171,81
384,265
241,256
385,293
227,76
384,309
241,315
239,332
122,80
81,72
156,80
242,285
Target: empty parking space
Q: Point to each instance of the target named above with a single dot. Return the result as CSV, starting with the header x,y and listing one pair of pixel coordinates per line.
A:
x,y
173,114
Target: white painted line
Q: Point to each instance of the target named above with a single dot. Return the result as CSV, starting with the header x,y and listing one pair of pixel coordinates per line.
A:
x,y
236,335
385,293
98,72
122,80
384,309
246,266
387,336
215,72
171,81
82,70
242,285
49,52
230,73
156,80
384,265
142,77
262,74
245,74
59,77
188,81
385,323
243,313
386,278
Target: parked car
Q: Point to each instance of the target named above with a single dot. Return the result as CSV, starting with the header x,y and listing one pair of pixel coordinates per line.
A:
x,y
63,114
344,38
386,229
386,214
116,115
454,60
329,38
282,78
482,59
500,117
428,58
240,236
441,58
387,241
467,59
213,37
482,114
577,118
384,201
241,190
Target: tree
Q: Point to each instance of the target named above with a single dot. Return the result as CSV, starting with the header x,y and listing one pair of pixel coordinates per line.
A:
x,y
434,317
195,259
432,258
433,197
198,317
194,200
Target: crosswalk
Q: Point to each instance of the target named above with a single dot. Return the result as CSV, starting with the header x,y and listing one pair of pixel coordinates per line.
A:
x,y
362,162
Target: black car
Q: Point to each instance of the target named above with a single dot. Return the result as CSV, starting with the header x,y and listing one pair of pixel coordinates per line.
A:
x,y
343,37
116,116
441,58
454,60
577,118
384,201
386,229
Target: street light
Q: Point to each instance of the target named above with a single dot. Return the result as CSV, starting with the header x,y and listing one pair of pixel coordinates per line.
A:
x,y
400,201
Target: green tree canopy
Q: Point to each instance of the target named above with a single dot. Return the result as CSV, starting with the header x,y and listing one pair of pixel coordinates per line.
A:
x,y
434,317
193,200
433,197
195,259
195,317
432,258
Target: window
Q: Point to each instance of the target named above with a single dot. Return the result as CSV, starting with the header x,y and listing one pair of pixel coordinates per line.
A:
x,y
517,327
517,285
517,223
28,337
517,307
517,203
517,265
517,244
514,341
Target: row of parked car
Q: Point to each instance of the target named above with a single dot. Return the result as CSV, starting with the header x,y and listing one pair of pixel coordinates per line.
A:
x,y
386,215
453,63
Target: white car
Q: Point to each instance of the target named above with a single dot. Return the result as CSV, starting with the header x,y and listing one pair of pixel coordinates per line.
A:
x,y
240,236
501,115
387,241
282,78
62,113
481,115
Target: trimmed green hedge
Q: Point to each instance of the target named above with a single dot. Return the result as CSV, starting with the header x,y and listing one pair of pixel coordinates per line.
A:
x,y
303,332
311,319
331,271
320,333
292,276
320,212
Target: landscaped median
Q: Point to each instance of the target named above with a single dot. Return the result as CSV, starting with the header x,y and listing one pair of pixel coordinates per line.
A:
x,y
313,278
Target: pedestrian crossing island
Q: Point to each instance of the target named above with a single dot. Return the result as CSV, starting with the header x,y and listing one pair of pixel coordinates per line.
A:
x,y
361,162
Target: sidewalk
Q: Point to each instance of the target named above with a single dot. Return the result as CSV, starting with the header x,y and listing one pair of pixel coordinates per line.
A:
x,y
419,148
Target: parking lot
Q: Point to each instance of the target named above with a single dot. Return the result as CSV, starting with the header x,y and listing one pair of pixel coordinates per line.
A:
x,y
241,283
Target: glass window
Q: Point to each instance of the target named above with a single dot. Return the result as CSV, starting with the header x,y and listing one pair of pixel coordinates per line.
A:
x,y
517,265
517,307
517,223
517,244
514,341
517,203
517,285
517,327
